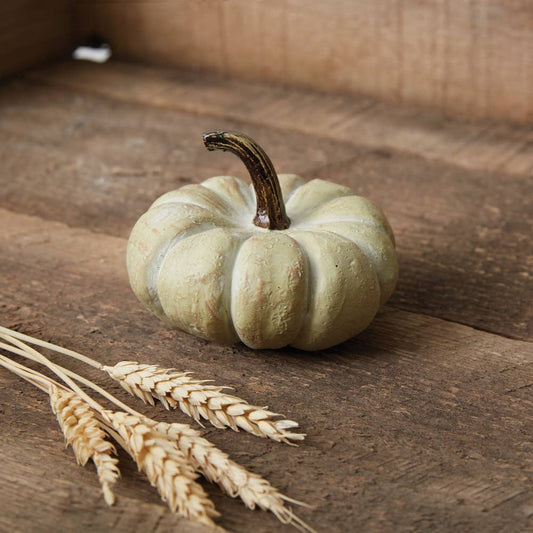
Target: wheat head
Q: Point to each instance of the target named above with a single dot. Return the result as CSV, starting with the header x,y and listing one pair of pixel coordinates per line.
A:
x,y
233,478
165,465
83,431
200,400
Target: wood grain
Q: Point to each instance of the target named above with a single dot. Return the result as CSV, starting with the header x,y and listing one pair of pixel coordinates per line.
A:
x,y
467,59
496,147
417,423
33,33
101,163
463,235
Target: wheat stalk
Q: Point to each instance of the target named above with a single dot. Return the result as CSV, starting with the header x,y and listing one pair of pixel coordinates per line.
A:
x,y
158,456
78,422
194,397
84,433
165,465
168,453
199,400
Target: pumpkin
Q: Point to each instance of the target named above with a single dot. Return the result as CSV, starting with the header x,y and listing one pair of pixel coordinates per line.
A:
x,y
280,262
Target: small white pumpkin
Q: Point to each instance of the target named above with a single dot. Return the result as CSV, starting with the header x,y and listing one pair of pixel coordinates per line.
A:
x,y
225,264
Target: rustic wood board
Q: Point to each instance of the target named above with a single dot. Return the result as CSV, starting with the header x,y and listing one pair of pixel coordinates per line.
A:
x,y
101,159
365,122
418,424
408,425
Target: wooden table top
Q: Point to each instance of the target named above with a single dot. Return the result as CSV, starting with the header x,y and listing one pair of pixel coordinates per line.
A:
x,y
421,423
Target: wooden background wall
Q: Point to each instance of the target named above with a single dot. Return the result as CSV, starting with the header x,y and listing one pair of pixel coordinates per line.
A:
x,y
469,58
33,32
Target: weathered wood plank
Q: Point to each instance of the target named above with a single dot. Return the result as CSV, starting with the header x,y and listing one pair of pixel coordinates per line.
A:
x,y
358,121
463,235
417,423
468,59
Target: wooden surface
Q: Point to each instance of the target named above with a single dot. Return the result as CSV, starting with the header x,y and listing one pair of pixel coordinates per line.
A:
x,y
422,423
361,122
466,58
33,32
462,225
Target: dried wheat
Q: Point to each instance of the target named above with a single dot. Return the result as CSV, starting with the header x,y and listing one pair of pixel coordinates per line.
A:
x,y
167,453
199,400
84,433
233,478
165,465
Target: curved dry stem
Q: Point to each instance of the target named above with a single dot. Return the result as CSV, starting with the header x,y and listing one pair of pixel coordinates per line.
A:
x,y
270,212
32,354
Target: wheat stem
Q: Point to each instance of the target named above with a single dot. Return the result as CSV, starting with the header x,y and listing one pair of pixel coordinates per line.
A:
x,y
32,354
50,346
56,369
78,423
37,379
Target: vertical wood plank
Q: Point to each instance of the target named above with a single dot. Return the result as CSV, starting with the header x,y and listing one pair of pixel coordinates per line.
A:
x,y
466,58
389,37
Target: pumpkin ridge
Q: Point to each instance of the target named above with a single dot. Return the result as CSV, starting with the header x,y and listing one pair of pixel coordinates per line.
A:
x,y
170,202
234,209
154,268
291,193
322,213
311,226
227,280
309,273
318,299
309,211
384,276
232,289
312,277
266,308
246,190
201,262
345,238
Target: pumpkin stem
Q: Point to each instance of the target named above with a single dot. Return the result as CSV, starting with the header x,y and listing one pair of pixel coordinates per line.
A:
x,y
270,207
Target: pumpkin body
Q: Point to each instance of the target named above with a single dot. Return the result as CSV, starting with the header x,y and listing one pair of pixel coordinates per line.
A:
x,y
197,261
